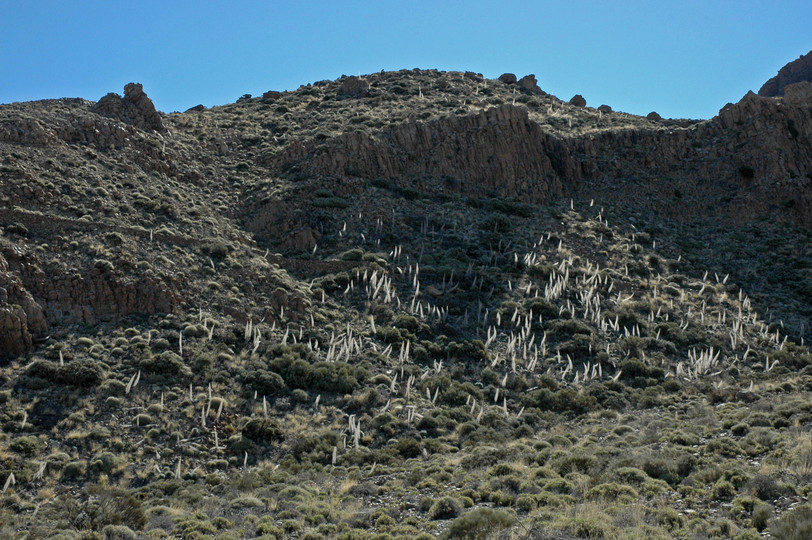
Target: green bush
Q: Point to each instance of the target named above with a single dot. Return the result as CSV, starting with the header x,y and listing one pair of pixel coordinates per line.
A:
x,y
479,524
445,508
794,525
263,430
761,515
216,249
167,364
330,202
611,492
80,373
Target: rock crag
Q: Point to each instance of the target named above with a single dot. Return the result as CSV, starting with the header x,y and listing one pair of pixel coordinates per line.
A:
x,y
796,71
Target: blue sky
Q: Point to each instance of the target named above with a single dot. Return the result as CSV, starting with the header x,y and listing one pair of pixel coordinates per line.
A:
x,y
679,58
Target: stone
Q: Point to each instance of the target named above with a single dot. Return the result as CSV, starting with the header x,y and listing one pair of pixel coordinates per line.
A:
x,y
605,109
196,108
577,100
508,78
654,117
528,82
476,77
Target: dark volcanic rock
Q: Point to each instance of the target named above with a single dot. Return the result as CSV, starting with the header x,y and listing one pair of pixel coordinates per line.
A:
x,y
353,87
578,101
796,71
21,319
508,78
135,108
528,82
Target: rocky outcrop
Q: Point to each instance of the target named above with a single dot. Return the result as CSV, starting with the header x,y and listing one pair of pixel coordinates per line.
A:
x,y
86,294
21,319
135,108
502,149
353,87
529,83
499,148
508,78
79,126
796,71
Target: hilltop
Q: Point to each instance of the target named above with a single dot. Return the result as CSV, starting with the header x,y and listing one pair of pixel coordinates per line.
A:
x,y
404,303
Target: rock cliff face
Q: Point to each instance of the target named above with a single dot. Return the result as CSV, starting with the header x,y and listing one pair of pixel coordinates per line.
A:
x,y
796,71
500,148
69,294
762,146
21,319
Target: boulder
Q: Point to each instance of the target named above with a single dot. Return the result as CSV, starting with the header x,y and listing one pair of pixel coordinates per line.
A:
x,y
577,100
654,117
353,87
528,82
605,109
508,78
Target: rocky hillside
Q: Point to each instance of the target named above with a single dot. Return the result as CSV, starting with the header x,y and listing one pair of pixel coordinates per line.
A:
x,y
799,70
406,303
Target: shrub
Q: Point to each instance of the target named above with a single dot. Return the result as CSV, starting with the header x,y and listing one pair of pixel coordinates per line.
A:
x,y
263,430
79,373
167,363
264,382
723,490
761,514
330,202
216,249
746,171
114,506
118,532
611,492
764,487
794,525
445,508
479,524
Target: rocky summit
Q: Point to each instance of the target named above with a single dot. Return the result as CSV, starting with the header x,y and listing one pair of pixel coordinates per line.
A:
x,y
409,304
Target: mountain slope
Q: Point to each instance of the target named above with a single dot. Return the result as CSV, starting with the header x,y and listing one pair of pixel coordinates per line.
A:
x,y
401,304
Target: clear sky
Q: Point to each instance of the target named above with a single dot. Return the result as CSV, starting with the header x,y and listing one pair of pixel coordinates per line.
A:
x,y
681,58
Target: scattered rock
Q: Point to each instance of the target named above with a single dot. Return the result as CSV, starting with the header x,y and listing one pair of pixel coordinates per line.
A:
x,y
605,109
196,108
508,78
796,71
135,108
577,100
477,77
